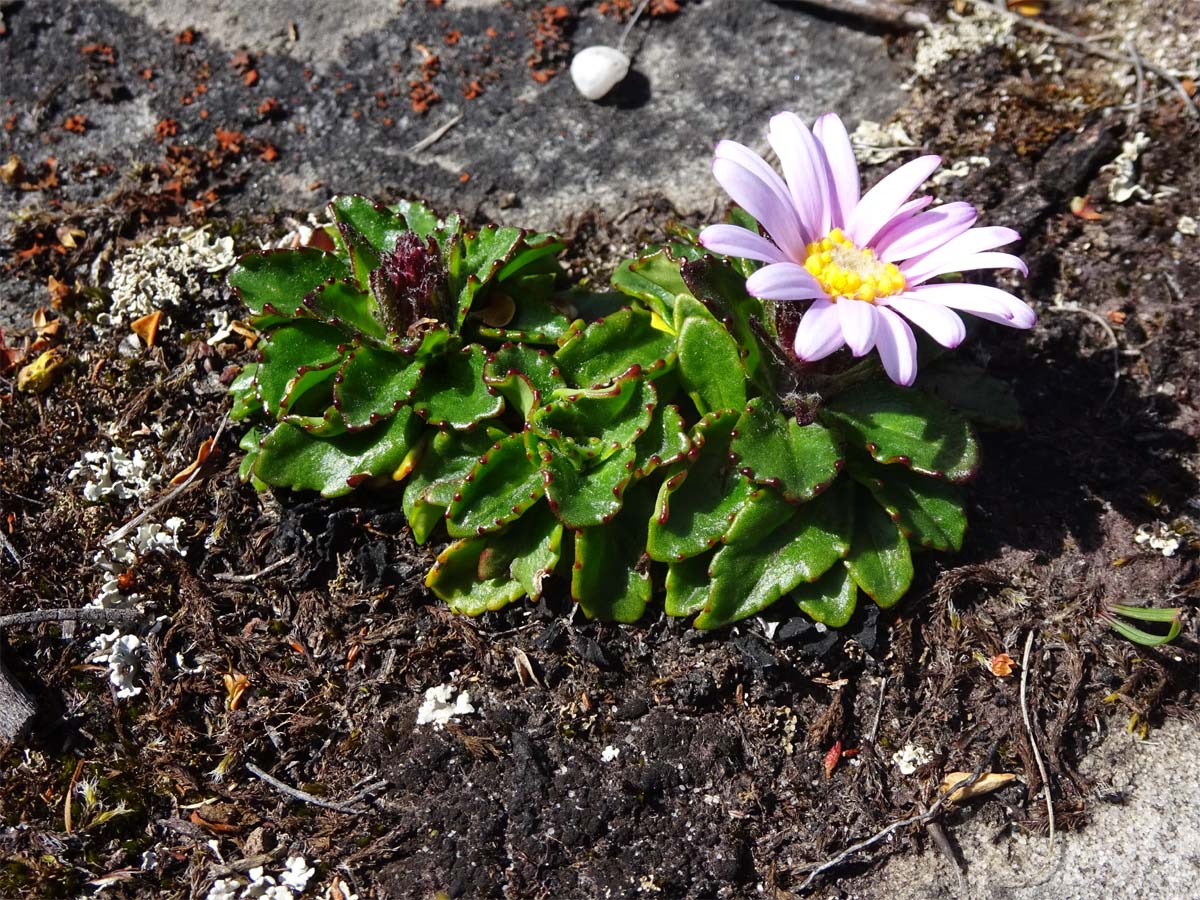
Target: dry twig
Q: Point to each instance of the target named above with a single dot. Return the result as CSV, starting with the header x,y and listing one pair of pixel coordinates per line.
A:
x,y
302,796
7,547
82,614
1113,344
895,15
919,819
1037,755
1140,90
434,136
254,576
878,711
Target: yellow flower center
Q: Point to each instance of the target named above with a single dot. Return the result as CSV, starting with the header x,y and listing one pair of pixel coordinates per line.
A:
x,y
850,272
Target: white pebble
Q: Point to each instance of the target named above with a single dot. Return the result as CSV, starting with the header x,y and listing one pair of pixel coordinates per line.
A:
x,y
597,70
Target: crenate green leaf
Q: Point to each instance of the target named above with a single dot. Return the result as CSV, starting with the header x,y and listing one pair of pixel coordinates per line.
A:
x,y
589,497
687,585
301,396
537,536
275,282
291,457
502,484
879,560
249,445
288,353
245,397
597,422
723,291
452,392
422,220
654,279
664,443
446,459
611,574
907,427
535,256
455,579
830,600
928,510
697,503
373,384
612,346
772,548
524,376
475,260
710,364
773,449
378,225
364,258
341,303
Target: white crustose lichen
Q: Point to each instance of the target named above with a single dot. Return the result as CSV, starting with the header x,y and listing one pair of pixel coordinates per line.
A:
x,y
163,273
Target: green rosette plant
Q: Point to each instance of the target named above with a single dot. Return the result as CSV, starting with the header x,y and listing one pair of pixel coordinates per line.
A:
x,y
652,439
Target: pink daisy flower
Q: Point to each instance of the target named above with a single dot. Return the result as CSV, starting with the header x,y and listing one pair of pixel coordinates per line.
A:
x,y
865,262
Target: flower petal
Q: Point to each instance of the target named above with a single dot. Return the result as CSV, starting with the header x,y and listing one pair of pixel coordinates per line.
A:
x,y
860,321
973,262
843,169
804,168
759,190
975,240
783,281
897,348
925,231
733,240
881,202
940,323
981,300
819,332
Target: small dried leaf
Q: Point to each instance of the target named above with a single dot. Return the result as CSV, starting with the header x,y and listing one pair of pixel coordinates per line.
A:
x,y
216,827
235,686
147,327
12,171
1082,207
832,757
201,456
67,236
249,335
1027,8
499,310
1002,665
59,291
992,781
39,374
525,669
10,357
47,328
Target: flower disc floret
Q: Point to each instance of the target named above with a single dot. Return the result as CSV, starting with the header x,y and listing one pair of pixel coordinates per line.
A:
x,y
864,261
847,272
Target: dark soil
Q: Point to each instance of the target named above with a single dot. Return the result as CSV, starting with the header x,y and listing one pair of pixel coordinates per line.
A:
x,y
720,784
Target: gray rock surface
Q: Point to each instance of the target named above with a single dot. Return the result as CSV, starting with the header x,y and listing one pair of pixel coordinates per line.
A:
x,y
535,153
1143,840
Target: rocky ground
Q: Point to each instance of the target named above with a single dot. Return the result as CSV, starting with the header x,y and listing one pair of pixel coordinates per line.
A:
x,y
292,635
